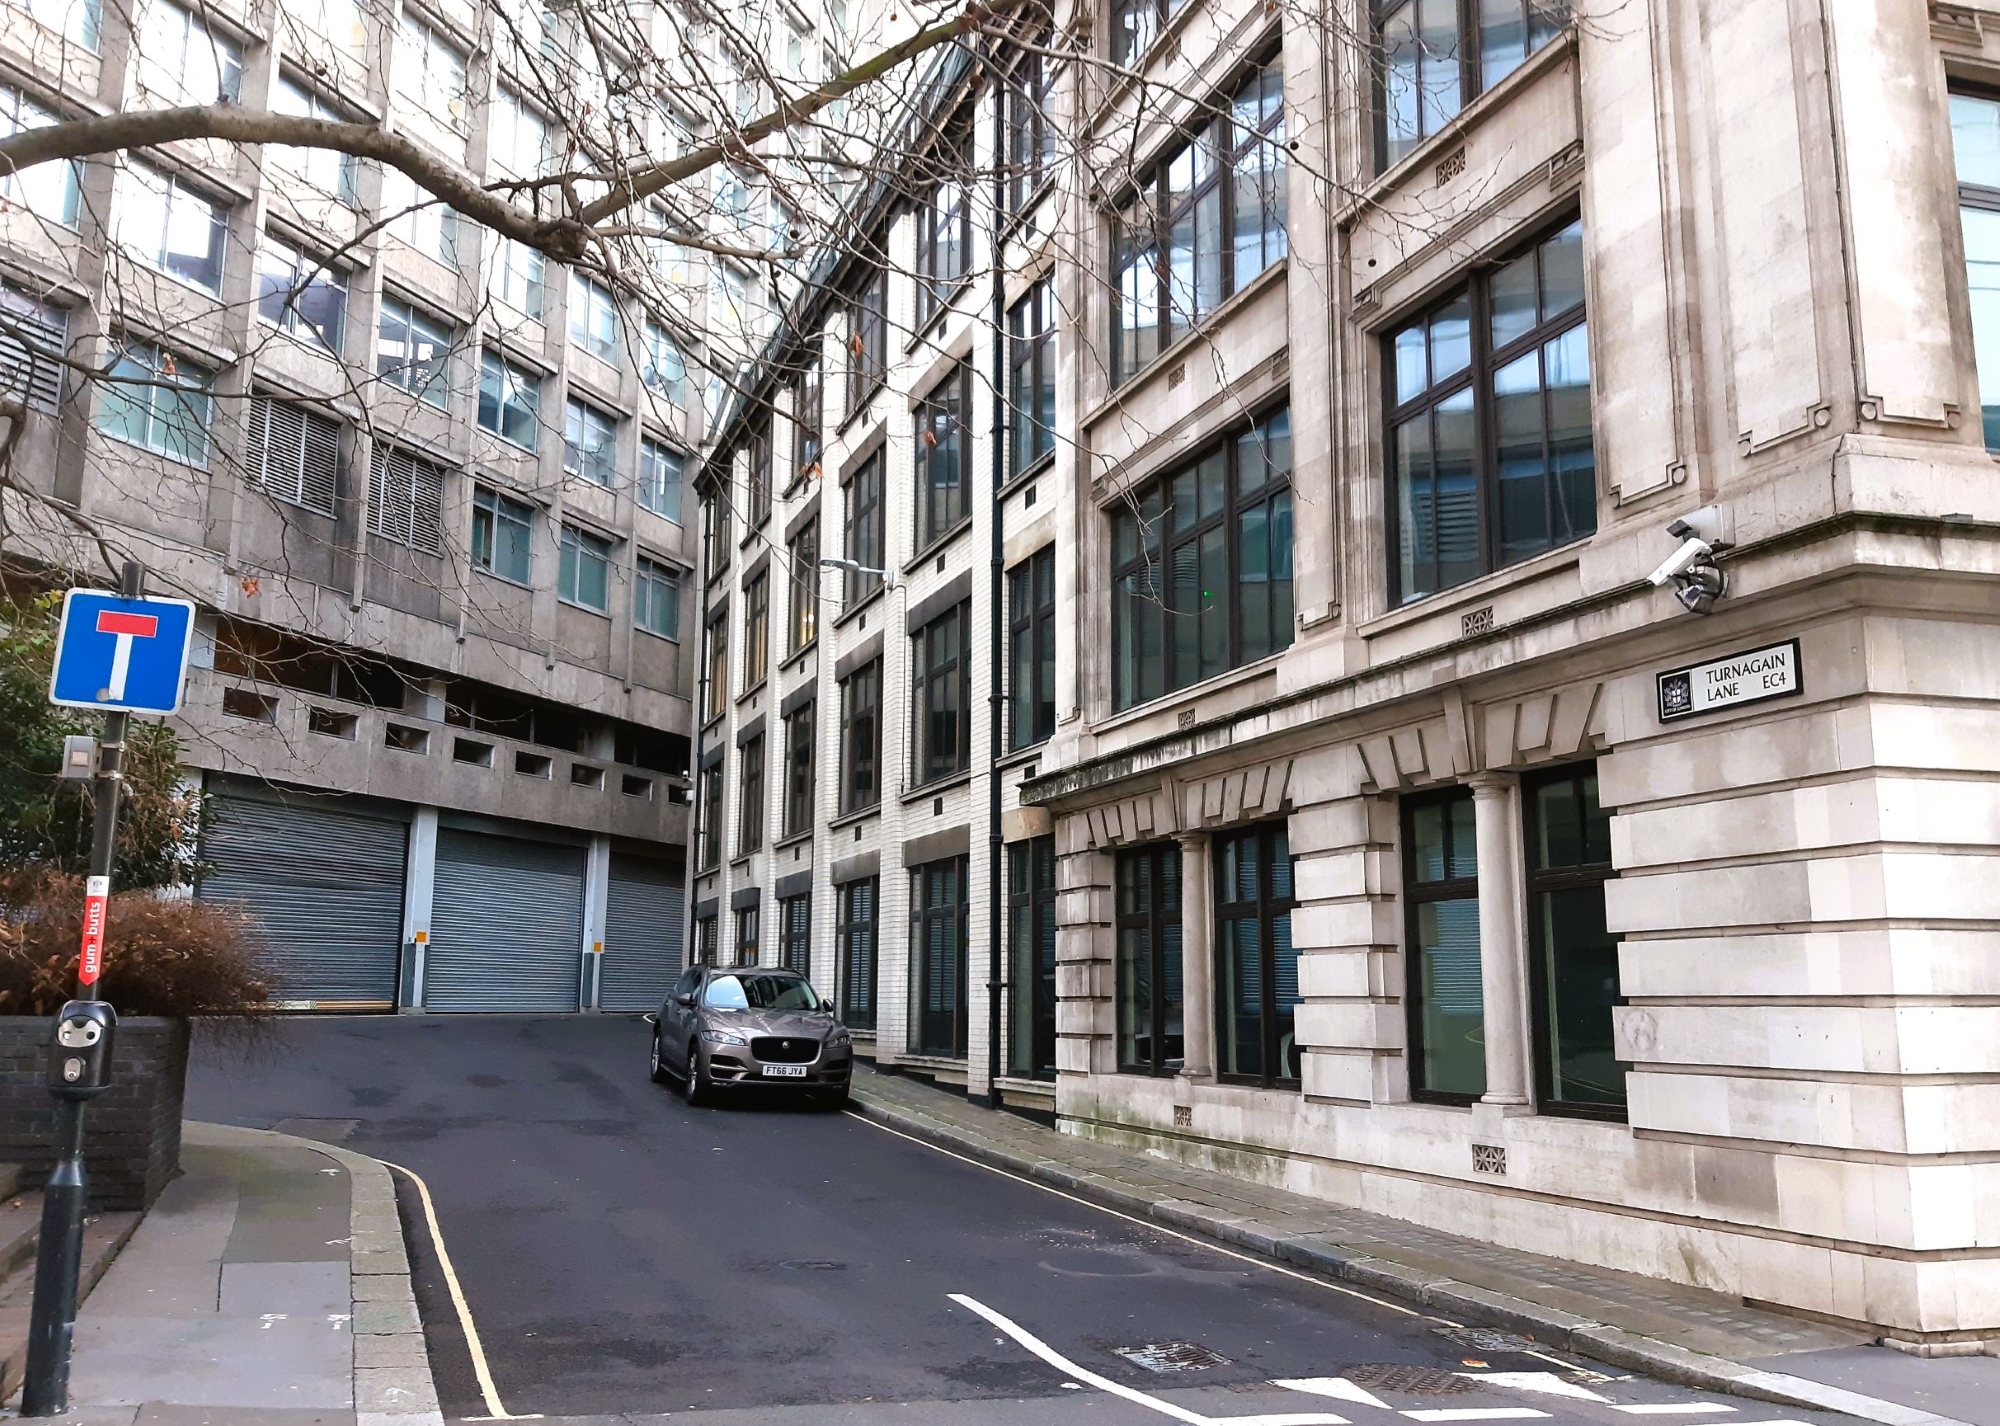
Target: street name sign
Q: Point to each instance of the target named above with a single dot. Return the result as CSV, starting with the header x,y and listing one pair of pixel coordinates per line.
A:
x,y
1731,682
121,655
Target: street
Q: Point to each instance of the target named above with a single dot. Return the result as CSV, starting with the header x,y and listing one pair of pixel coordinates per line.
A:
x,y
621,1253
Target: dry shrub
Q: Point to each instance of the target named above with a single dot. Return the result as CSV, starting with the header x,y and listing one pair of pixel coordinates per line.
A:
x,y
163,954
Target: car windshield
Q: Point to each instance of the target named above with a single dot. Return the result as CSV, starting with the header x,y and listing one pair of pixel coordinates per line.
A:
x,y
760,992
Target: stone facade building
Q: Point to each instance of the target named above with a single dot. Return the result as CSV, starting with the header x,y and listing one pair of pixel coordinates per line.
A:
x,y
1371,822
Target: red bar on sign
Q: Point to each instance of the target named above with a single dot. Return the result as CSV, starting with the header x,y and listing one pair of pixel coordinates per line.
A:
x,y
97,891
139,626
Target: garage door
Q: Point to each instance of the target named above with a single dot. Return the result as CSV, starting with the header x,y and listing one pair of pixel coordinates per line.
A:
x,y
506,924
643,934
326,885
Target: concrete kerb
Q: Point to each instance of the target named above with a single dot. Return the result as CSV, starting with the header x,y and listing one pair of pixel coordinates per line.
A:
x,y
1563,1330
392,1369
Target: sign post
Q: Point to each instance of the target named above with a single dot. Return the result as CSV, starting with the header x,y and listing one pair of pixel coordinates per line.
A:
x,y
124,654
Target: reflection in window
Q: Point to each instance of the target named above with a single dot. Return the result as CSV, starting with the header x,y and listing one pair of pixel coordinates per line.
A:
x,y
301,296
158,400
1257,969
1975,141
171,227
510,400
1432,64
1150,1031
48,190
1445,1000
1573,957
412,350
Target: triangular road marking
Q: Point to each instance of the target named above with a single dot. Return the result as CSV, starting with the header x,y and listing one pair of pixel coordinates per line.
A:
x,y
1337,1387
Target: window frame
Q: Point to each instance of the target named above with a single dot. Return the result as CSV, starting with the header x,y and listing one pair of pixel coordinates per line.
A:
x,y
26,188
1982,198
1267,908
795,933
709,812
1031,133
576,546
858,919
417,325
1485,362
1420,893
1579,876
1159,923
757,475
1031,953
656,583
864,527
717,531
1031,629
188,397
1031,378
582,419
750,796
1472,79
715,664
498,507
656,459
808,421
801,734
756,629
290,283
802,556
748,929
510,383
944,223
169,190
931,674
853,711
599,307
928,916
867,338
942,459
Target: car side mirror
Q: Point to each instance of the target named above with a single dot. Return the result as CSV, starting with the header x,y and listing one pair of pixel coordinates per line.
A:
x,y
686,1002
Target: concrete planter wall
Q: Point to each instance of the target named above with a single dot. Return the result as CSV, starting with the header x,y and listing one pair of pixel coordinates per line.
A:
x,y
133,1143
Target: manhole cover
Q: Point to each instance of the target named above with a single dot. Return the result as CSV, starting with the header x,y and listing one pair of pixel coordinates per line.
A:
x,y
813,1265
1487,1339
1416,1381
1172,1357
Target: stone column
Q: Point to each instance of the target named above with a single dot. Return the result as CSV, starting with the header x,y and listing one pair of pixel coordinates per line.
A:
x,y
1502,958
1197,959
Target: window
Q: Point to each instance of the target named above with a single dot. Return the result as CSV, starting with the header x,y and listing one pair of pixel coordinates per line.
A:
x,y
510,400
1135,24
710,840
294,453
799,771
808,412
758,473
746,936
865,536
157,400
944,225
430,74
48,190
1031,134
1258,970
503,532
583,573
1031,649
941,457
412,216
325,174
664,371
1150,1032
715,700
185,62
1490,456
518,277
1031,932
750,797
590,442
715,533
656,598
732,196
171,228
1437,54
517,138
1031,377
854,936
937,951
412,350
1445,999
337,21
668,260
593,318
867,339
1209,218
301,296
1573,959
795,923
861,738
941,697
77,21
35,334
756,629
705,941
406,499
802,553
1975,141
659,479
1201,567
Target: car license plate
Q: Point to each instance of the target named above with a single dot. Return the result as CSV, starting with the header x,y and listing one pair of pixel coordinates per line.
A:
x,y
785,1071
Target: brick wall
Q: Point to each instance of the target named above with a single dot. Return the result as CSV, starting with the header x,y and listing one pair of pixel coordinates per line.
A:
x,y
132,1131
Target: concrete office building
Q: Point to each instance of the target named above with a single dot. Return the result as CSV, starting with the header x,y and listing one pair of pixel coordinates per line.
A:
x,y
1389,833
425,486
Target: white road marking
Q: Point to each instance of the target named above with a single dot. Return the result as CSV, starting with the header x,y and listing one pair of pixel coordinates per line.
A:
x,y
1476,1413
1546,1382
1669,1408
1338,1387
1125,1393
495,1411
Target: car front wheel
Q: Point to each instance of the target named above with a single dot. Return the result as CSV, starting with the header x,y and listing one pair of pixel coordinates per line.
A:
x,y
659,1068
696,1087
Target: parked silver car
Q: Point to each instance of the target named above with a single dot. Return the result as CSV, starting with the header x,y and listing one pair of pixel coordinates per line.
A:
x,y
750,1028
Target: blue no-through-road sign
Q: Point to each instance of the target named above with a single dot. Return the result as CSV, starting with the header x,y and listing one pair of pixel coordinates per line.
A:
x,y
128,654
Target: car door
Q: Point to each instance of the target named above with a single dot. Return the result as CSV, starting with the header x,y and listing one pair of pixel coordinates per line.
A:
x,y
677,1021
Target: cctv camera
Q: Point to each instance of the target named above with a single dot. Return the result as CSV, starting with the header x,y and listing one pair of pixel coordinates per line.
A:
x,y
1700,587
1692,551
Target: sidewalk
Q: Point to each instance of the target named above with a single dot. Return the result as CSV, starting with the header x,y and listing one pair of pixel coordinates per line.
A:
x,y
269,1285
1678,1334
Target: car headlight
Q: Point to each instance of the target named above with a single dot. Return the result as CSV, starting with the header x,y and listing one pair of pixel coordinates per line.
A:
x,y
724,1037
839,1038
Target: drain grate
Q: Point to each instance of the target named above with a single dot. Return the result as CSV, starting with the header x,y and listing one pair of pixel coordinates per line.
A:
x,y
1487,1339
1416,1381
1172,1357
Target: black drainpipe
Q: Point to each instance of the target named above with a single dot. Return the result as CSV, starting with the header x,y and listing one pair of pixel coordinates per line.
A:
x,y
695,807
995,697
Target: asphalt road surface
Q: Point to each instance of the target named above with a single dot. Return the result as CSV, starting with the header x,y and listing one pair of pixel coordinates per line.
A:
x,y
622,1253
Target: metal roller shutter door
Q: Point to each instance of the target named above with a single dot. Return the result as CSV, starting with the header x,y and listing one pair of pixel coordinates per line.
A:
x,y
327,886
643,934
506,924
